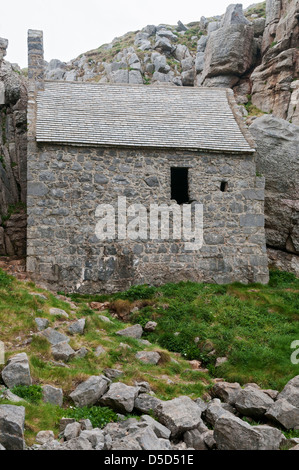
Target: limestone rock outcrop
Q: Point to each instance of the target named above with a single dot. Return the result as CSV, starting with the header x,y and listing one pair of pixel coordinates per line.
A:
x,y
277,159
275,85
13,155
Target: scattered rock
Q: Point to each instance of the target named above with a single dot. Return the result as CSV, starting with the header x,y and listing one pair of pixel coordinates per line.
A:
x,y
113,373
52,395
42,323
17,371
58,312
145,403
77,327
81,353
231,433
72,431
62,351
105,319
284,413
253,402
120,397
158,428
179,415
12,422
291,392
148,357
226,391
44,436
150,326
54,337
135,331
88,393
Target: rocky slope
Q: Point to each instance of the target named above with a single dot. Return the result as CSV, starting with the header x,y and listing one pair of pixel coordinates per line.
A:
x,y
13,157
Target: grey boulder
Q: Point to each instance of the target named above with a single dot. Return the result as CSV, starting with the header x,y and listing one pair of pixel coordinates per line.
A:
x,y
178,415
148,357
253,402
17,371
120,397
284,413
77,327
231,433
135,331
88,393
52,395
62,351
226,392
12,422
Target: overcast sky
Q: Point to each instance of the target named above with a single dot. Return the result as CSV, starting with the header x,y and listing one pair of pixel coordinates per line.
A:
x,y
72,26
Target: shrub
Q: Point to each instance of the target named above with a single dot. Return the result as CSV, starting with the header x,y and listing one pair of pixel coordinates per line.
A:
x,y
99,416
138,292
32,394
5,279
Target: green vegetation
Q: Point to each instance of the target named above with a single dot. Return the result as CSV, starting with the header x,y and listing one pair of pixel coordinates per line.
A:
x,y
252,109
258,9
99,416
12,209
32,394
252,325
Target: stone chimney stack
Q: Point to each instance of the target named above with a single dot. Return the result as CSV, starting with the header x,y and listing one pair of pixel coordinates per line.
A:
x,y
36,58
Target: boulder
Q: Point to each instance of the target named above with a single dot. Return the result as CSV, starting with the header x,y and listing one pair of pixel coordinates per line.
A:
x,y
253,402
12,422
62,351
54,337
158,428
42,323
145,403
195,439
215,410
135,331
113,373
277,141
231,433
230,51
17,371
72,431
178,415
234,15
95,437
150,326
44,436
284,413
226,392
52,395
120,397
88,393
291,392
58,312
78,443
77,327
148,357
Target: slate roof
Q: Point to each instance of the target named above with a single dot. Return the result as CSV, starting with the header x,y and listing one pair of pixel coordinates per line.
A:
x,y
196,118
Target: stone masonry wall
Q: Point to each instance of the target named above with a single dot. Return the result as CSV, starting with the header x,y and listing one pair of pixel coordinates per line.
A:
x,y
66,184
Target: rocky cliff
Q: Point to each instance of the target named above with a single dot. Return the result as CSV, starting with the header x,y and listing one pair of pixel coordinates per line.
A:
x,y
255,52
13,155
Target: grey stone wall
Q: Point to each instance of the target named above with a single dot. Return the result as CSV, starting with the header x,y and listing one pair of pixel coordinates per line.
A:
x,y
66,184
